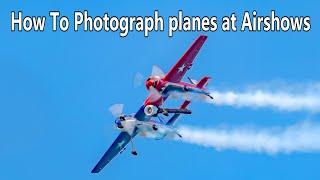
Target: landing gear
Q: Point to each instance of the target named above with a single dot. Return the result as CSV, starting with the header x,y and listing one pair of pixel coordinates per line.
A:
x,y
133,151
154,127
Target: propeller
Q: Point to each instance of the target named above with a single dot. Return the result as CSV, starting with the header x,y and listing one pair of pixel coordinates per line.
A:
x,y
138,81
116,110
156,71
154,94
139,77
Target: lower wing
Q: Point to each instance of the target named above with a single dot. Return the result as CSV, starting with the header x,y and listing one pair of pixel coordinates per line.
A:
x,y
118,145
121,141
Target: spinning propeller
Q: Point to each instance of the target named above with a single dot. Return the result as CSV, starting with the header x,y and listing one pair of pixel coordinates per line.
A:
x,y
154,94
139,77
138,80
116,110
156,71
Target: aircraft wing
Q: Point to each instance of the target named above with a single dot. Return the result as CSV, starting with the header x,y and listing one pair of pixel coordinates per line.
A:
x,y
185,62
121,141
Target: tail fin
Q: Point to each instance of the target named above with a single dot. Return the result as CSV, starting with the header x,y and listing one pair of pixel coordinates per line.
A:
x,y
203,82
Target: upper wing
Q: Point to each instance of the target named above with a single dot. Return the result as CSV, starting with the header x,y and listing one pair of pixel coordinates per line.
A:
x,y
121,141
185,62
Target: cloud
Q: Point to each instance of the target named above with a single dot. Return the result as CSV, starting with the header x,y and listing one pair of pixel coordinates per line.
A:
x,y
301,137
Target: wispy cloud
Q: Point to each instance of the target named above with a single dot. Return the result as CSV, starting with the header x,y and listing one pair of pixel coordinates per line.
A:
x,y
301,137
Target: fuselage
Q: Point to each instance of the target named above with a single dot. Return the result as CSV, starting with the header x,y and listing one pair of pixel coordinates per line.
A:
x,y
151,129
165,89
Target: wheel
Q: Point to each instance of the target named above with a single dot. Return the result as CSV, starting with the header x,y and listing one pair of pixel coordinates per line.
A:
x,y
134,153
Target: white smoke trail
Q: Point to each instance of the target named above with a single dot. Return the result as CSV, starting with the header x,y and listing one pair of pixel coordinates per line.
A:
x,y
279,100
302,137
284,98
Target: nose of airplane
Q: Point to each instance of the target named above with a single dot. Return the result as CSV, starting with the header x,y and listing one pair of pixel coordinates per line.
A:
x,y
149,83
118,123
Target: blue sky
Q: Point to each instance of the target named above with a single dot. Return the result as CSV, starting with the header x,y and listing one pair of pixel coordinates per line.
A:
x,y
56,89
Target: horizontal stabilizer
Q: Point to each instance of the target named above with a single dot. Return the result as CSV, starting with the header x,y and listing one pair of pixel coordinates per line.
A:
x,y
203,82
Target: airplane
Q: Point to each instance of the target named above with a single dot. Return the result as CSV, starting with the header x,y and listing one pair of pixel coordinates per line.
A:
x,y
146,121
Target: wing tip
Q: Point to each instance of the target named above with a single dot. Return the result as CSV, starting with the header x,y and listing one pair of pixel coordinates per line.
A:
x,y
201,39
95,170
202,36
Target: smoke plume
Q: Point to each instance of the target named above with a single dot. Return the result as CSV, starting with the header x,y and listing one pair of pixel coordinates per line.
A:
x,y
301,137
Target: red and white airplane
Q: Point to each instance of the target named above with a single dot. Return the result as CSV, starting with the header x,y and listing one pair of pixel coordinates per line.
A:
x,y
146,121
